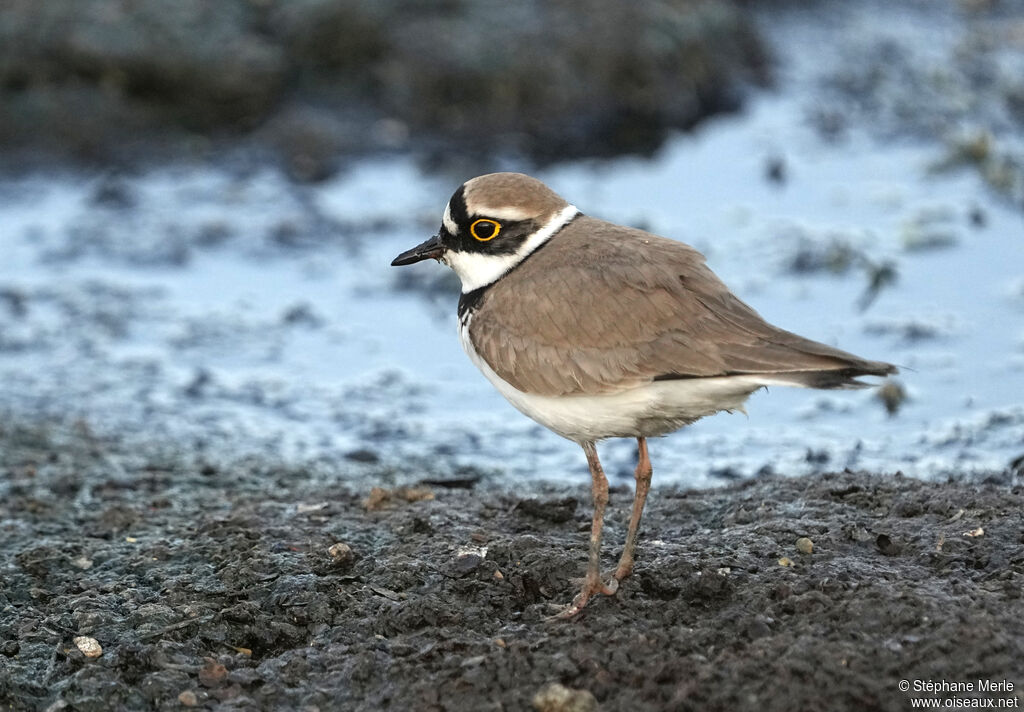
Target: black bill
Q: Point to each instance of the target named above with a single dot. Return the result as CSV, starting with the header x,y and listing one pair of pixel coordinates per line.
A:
x,y
431,249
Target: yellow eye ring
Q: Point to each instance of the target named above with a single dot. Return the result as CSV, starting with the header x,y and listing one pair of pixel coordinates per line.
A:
x,y
485,226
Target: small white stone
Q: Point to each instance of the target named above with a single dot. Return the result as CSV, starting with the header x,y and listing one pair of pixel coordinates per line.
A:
x,y
82,562
480,551
90,647
555,697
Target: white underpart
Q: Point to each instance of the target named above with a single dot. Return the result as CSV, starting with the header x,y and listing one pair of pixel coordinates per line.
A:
x,y
654,409
476,269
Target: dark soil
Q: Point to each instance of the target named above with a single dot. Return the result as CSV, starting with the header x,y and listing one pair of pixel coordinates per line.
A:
x,y
314,80
250,585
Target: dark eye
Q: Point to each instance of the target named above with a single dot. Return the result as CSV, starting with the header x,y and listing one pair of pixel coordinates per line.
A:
x,y
485,229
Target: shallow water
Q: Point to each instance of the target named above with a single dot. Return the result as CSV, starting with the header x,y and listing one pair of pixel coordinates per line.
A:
x,y
239,312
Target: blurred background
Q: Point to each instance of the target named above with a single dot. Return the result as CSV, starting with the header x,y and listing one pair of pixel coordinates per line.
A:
x,y
310,83
199,201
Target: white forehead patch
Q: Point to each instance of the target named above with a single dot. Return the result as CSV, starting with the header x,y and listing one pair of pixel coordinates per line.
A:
x,y
449,224
508,212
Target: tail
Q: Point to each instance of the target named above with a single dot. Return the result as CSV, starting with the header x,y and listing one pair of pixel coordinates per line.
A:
x,y
783,358
844,377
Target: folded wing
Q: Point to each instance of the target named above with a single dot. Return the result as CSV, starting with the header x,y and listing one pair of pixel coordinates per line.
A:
x,y
602,309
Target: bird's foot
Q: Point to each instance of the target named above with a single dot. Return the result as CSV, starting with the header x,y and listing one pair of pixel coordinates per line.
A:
x,y
622,571
591,587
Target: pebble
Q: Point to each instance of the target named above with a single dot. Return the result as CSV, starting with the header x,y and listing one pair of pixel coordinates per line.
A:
x,y
341,553
381,498
212,674
466,563
886,545
90,647
804,545
188,698
467,558
555,697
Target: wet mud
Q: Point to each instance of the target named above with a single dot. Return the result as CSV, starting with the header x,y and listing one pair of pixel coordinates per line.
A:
x,y
150,579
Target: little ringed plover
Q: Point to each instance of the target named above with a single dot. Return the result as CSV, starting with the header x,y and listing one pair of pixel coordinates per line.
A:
x,y
597,330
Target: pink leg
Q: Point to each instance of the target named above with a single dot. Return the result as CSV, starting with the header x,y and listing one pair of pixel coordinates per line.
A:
x,y
592,583
643,486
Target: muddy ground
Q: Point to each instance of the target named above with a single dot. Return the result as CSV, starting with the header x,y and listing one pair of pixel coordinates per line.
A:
x,y
243,585
316,81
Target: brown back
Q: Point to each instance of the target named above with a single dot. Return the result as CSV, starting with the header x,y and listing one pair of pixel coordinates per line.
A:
x,y
602,308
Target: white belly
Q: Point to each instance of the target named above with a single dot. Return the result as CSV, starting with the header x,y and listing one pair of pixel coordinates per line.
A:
x,y
654,409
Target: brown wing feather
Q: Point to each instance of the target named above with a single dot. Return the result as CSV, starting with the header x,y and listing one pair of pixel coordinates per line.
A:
x,y
601,309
